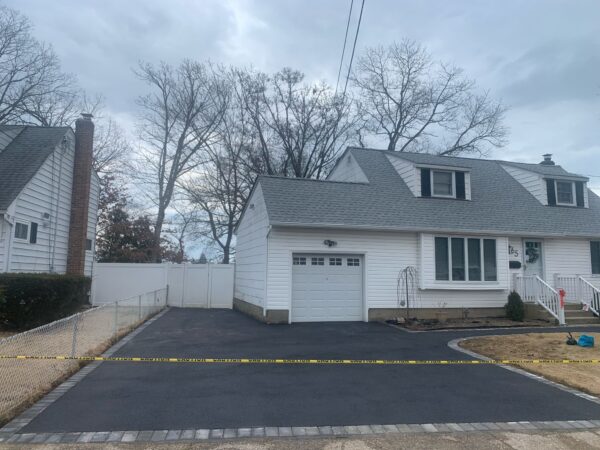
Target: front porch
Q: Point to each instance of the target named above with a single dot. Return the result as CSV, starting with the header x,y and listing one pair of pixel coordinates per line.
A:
x,y
570,299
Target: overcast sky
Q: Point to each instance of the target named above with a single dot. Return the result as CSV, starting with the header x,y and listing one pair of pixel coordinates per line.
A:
x,y
542,58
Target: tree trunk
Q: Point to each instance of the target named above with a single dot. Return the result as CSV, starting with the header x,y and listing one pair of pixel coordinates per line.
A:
x,y
225,255
156,256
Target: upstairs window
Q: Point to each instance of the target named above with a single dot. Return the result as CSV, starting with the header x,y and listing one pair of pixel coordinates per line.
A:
x,y
443,183
565,193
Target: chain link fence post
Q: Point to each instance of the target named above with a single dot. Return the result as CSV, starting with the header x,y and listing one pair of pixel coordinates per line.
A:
x,y
116,318
139,307
74,342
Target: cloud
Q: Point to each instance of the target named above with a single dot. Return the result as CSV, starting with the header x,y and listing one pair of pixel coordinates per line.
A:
x,y
541,56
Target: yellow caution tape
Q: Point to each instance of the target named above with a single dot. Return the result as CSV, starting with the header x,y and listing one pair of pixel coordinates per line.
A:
x,y
389,362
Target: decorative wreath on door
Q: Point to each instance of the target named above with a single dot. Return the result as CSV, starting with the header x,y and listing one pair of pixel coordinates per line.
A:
x,y
533,255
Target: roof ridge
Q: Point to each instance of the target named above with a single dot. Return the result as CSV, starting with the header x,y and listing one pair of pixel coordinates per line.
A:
x,y
492,160
281,177
530,164
34,126
399,154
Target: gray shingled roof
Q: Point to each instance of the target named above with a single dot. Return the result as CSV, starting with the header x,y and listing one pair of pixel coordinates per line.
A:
x,y
425,158
549,171
499,203
23,156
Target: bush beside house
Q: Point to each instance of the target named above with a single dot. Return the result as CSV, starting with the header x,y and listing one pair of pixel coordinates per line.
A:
x,y
30,300
515,308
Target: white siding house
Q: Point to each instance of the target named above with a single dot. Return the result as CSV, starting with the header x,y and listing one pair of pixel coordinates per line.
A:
x,y
311,250
251,251
35,209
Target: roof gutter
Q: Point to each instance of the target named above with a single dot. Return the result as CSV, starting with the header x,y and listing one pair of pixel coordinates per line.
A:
x,y
431,230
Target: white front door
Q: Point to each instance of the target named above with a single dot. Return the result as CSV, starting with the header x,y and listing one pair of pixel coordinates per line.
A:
x,y
327,288
533,259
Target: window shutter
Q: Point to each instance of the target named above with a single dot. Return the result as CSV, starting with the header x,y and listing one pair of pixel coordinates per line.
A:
x,y
425,183
579,193
460,185
551,192
33,233
595,250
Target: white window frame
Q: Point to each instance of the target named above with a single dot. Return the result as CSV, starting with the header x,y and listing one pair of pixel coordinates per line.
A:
x,y
573,193
431,177
299,260
28,225
466,253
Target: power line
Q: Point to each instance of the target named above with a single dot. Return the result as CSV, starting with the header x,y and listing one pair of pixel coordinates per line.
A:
x,y
354,46
344,48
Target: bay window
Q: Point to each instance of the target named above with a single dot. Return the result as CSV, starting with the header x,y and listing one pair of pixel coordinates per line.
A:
x,y
465,259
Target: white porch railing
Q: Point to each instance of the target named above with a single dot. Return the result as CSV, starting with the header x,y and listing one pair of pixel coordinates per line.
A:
x,y
533,289
580,289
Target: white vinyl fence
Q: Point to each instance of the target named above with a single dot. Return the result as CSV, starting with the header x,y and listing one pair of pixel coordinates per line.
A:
x,y
87,333
189,285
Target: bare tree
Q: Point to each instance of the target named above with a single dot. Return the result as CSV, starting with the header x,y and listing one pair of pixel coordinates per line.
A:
x,y
30,73
299,127
178,120
416,104
111,148
220,189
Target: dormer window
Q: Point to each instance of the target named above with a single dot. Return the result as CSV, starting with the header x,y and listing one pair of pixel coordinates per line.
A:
x,y
565,193
443,183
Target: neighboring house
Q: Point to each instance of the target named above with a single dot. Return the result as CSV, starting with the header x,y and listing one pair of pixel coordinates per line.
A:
x,y
48,198
470,229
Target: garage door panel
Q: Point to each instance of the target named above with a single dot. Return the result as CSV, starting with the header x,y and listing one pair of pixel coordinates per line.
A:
x,y
328,292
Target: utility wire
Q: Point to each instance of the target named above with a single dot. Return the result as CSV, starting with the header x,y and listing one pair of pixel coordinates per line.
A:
x,y
344,48
354,46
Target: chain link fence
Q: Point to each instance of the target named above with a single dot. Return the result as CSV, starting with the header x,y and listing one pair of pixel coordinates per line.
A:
x,y
88,333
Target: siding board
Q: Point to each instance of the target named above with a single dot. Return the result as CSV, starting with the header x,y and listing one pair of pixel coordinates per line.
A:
x,y
408,172
49,191
533,182
348,170
251,251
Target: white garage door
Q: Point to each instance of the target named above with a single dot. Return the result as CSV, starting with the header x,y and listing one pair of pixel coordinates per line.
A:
x,y
327,288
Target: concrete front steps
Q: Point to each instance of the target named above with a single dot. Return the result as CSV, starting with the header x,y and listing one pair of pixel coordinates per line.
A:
x,y
575,315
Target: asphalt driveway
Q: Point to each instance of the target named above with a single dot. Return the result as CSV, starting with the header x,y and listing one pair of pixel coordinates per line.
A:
x,y
155,396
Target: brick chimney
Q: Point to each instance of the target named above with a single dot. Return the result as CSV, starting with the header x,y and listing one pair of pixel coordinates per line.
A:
x,y
80,195
547,160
